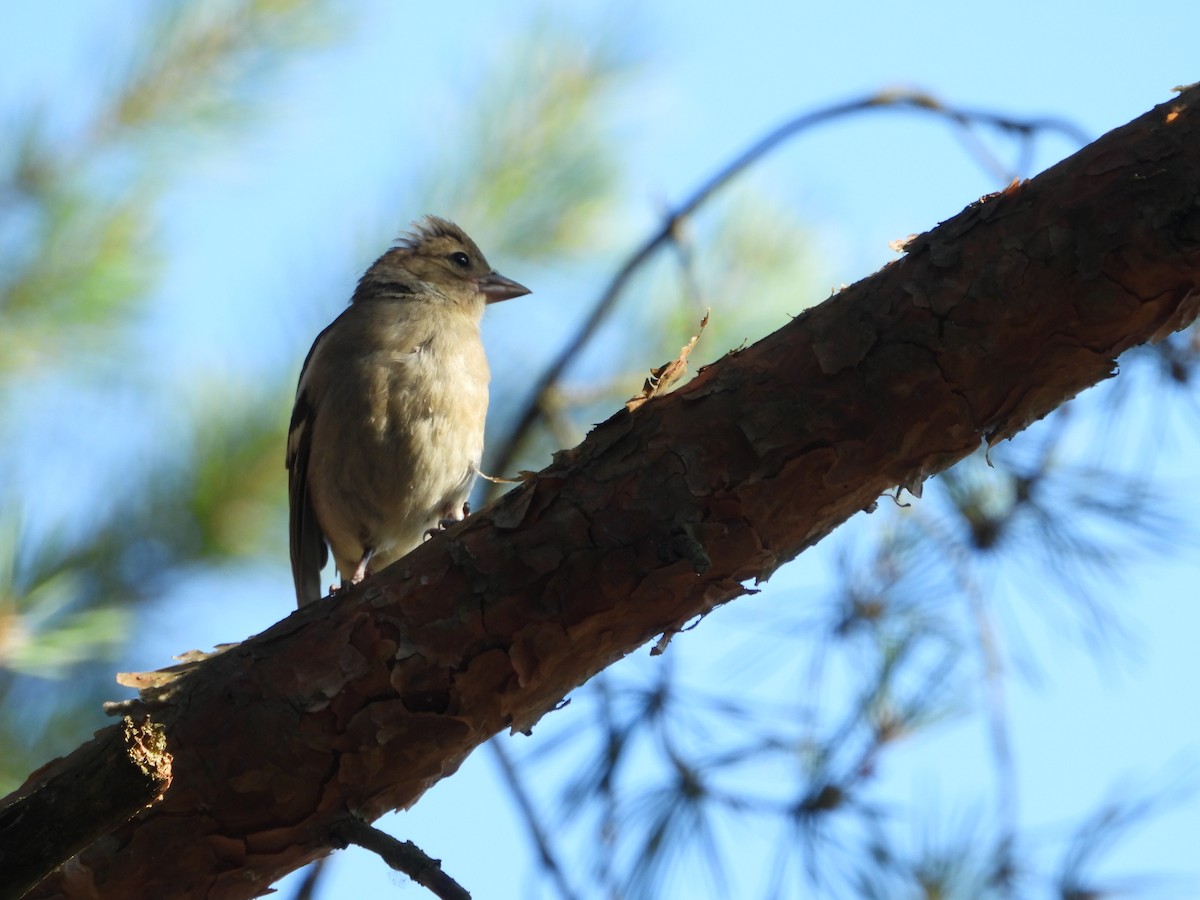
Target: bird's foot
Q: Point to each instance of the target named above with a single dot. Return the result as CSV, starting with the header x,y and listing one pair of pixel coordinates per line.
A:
x,y
359,574
446,521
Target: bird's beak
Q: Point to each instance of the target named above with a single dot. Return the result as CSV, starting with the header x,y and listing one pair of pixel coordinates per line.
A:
x,y
495,287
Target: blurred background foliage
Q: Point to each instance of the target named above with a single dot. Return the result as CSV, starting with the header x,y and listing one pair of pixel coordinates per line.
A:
x,y
134,478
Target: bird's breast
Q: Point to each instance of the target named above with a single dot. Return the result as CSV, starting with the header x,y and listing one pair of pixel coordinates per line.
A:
x,y
439,381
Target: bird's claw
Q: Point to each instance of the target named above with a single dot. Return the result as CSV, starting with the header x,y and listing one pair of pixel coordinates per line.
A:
x,y
446,521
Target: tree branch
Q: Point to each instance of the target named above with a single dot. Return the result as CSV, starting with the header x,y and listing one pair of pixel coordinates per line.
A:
x,y
358,704
403,856
70,802
918,101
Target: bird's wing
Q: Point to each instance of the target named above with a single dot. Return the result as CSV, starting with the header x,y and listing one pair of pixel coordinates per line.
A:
x,y
356,330
308,550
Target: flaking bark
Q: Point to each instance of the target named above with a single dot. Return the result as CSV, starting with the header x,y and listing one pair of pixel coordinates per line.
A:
x,y
68,803
359,704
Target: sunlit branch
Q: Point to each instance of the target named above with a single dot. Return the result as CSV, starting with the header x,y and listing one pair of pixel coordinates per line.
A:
x,y
534,409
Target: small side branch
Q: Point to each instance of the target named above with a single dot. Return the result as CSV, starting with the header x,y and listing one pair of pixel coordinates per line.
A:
x,y
403,856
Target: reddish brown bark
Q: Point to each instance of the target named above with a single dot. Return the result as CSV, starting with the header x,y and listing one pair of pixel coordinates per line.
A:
x,y
358,705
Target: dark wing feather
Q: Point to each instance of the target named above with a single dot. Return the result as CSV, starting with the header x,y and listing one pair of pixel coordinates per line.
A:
x,y
307,543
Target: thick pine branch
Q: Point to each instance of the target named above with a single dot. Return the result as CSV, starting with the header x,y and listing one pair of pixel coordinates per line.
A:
x,y
357,705
70,802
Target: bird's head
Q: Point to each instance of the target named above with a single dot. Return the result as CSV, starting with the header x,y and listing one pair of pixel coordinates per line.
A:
x,y
437,258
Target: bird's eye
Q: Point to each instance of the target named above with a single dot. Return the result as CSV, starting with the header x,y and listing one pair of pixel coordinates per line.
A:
x,y
460,259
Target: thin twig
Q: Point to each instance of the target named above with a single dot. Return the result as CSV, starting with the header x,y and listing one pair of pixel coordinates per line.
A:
x,y
525,804
889,99
403,856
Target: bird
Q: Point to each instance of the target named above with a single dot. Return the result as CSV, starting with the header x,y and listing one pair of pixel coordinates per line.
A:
x,y
386,434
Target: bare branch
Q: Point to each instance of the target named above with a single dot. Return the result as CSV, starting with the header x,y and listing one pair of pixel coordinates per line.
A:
x,y
990,321
403,856
541,399
71,802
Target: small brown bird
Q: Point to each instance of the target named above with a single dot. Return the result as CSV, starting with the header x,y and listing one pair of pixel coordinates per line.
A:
x,y
387,431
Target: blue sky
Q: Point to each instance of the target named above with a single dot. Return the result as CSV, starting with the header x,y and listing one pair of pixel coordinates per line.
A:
x,y
318,181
